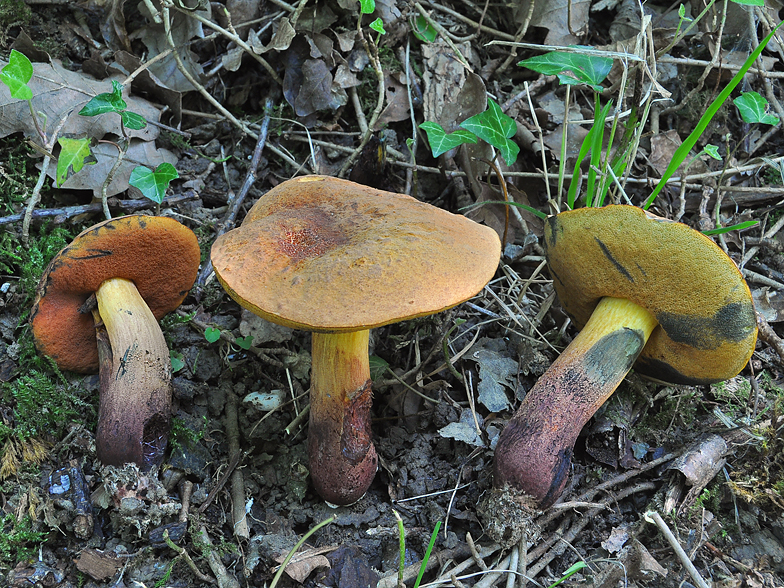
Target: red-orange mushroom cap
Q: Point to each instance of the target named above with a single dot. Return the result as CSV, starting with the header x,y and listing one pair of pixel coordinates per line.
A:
x,y
328,255
158,254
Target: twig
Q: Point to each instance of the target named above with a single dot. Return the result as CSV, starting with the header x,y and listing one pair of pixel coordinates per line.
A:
x,y
241,530
181,552
655,518
372,52
36,195
410,572
235,459
60,215
225,579
767,334
186,489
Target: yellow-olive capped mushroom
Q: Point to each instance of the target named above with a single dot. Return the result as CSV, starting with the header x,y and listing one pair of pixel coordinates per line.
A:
x,y
641,289
139,268
338,258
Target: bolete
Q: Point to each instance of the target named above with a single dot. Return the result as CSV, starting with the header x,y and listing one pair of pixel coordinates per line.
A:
x,y
338,258
139,268
641,289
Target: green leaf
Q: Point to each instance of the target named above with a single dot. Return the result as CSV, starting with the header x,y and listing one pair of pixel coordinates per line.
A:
x,y
107,102
422,29
750,2
153,184
74,153
571,68
211,334
367,6
573,569
587,147
378,26
378,367
16,74
441,142
737,227
754,109
683,151
177,360
713,151
244,342
496,128
134,121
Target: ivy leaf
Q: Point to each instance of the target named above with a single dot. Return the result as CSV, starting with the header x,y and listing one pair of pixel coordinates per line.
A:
x,y
211,334
177,360
106,102
712,151
16,74
74,153
571,68
754,109
378,367
378,26
422,29
441,142
496,128
244,342
367,6
133,121
153,184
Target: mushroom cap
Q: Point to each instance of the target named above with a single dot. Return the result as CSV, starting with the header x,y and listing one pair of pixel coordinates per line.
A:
x,y
160,255
707,326
328,255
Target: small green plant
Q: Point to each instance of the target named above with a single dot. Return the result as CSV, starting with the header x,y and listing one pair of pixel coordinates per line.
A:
x,y
153,183
294,549
683,150
401,531
492,126
19,539
75,152
182,435
212,334
573,569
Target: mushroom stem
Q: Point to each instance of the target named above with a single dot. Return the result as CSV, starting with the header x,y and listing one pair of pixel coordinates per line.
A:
x,y
135,397
535,448
342,456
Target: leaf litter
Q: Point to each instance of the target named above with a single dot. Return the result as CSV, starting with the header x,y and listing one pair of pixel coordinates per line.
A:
x,y
436,456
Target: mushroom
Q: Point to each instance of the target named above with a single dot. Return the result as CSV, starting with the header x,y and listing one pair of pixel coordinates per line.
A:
x,y
338,259
641,289
139,268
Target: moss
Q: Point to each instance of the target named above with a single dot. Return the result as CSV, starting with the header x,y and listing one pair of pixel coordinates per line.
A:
x,y
19,539
14,12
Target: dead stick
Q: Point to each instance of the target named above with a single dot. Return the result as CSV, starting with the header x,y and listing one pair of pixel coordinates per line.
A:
x,y
60,215
237,482
225,579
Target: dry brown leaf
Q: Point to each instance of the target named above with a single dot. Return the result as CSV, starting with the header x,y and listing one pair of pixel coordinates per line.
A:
x,y
59,92
303,564
554,16
91,177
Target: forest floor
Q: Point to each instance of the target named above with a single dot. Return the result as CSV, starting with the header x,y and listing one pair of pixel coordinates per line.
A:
x,y
298,86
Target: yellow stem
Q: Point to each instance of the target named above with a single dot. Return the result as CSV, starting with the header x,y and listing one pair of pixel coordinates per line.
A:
x,y
342,457
534,451
135,402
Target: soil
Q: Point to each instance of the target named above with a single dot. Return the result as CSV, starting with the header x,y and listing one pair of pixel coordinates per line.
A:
x,y
708,459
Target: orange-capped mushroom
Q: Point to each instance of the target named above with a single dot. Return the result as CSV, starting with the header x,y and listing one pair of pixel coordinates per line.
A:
x,y
338,258
139,268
